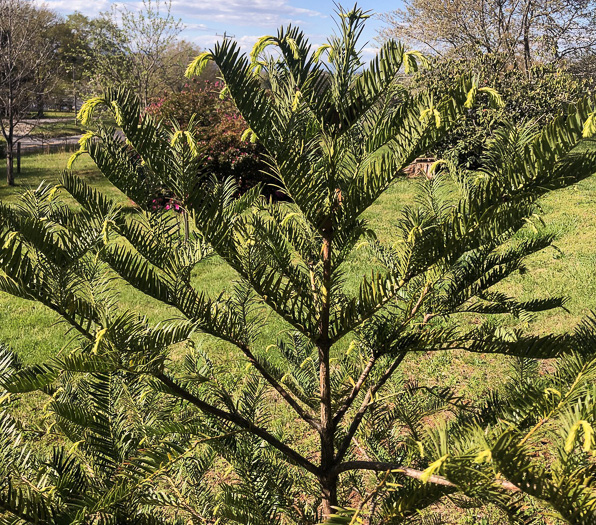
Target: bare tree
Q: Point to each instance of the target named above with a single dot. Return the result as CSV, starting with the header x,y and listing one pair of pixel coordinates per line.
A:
x,y
525,30
149,38
25,51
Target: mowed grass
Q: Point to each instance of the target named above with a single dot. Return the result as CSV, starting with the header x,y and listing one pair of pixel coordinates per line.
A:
x,y
55,114
38,169
569,270
57,129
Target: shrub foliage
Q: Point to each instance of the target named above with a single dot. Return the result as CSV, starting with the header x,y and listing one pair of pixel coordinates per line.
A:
x,y
219,128
540,95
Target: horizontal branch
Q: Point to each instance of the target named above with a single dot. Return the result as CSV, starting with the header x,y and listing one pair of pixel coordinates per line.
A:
x,y
238,420
381,466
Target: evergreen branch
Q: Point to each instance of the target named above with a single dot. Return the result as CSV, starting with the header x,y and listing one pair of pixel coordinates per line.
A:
x,y
398,468
288,452
305,414
355,391
366,403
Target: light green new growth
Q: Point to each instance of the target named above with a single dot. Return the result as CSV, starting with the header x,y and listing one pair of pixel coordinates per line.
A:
x,y
198,65
85,114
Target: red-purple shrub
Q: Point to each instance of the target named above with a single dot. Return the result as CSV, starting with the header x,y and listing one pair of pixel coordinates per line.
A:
x,y
219,129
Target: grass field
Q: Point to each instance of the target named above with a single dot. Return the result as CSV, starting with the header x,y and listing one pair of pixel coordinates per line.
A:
x,y
568,270
57,129
55,114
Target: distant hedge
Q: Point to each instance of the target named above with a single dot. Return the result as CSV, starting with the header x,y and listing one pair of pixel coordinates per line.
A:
x,y
541,95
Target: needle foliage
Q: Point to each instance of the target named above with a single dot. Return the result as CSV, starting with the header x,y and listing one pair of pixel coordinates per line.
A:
x,y
159,431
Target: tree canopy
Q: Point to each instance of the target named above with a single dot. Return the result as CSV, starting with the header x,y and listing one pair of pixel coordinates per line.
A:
x,y
528,32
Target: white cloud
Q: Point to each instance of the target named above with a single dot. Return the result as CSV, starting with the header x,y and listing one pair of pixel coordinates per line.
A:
x,y
246,42
369,52
196,27
70,6
240,12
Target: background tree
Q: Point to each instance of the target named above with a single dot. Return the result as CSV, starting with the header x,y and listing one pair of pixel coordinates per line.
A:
x,y
527,32
584,66
337,135
148,41
137,49
25,52
548,92
50,71
169,77
95,53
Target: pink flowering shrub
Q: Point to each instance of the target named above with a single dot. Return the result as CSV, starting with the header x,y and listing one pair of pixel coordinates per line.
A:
x,y
219,130
166,202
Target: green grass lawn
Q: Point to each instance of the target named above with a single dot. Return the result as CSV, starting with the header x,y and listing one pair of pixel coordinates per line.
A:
x,y
36,169
31,328
569,270
55,114
57,129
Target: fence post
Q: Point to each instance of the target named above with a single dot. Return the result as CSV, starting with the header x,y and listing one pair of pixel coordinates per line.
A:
x,y
18,157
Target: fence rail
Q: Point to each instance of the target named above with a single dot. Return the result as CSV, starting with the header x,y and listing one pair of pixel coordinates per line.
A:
x,y
48,147
421,166
68,144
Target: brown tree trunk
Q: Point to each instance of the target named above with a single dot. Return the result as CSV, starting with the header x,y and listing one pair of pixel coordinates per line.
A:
x,y
526,38
328,482
329,495
9,165
40,105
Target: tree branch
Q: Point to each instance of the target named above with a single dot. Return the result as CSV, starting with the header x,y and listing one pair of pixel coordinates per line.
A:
x,y
409,472
355,391
366,403
238,420
288,398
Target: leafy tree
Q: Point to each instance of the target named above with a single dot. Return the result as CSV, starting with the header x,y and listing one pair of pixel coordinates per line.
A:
x,y
148,36
550,91
25,50
145,41
135,49
527,32
94,53
354,432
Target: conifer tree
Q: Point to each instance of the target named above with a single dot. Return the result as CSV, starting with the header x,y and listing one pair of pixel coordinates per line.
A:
x,y
358,435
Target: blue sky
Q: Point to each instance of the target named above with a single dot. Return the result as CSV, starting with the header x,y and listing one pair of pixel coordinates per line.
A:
x,y
247,20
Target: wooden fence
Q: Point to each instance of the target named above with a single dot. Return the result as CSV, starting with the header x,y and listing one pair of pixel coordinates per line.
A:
x,y
421,166
44,148
47,147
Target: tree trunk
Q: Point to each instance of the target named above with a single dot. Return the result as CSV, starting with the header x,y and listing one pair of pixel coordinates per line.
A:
x,y
526,39
329,495
9,165
39,103
327,433
328,482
